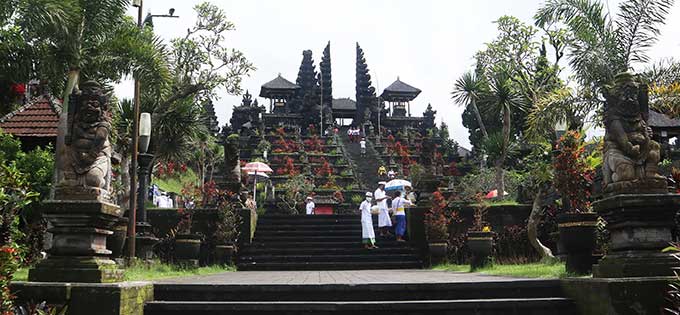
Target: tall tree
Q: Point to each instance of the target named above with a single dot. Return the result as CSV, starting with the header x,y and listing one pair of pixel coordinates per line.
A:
x,y
504,99
365,92
601,47
467,91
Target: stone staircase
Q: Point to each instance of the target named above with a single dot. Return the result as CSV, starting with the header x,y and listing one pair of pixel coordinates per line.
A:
x,y
366,168
320,242
312,296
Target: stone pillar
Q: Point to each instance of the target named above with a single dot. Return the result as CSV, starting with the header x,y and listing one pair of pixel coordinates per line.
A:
x,y
640,226
78,252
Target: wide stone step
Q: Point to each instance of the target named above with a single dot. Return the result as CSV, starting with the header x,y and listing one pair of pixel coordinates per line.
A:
x,y
328,265
312,238
307,227
254,251
537,306
356,243
304,233
362,257
458,290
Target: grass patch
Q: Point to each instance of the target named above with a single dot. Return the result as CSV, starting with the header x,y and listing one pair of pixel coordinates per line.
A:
x,y
161,271
141,272
535,270
176,183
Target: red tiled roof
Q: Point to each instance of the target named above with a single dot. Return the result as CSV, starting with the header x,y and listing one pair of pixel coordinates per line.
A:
x,y
38,118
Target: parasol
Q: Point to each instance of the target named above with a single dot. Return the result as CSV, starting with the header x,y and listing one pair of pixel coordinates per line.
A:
x,y
397,184
255,168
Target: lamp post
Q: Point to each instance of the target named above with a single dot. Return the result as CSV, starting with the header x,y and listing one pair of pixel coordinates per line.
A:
x,y
560,130
144,237
132,223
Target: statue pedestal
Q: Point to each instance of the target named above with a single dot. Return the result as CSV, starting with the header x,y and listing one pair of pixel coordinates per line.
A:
x,y
640,226
79,251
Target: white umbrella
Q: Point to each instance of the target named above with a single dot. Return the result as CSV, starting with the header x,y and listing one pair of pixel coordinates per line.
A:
x,y
255,168
263,175
397,184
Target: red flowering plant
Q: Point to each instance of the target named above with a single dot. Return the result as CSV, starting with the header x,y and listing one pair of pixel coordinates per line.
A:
x,y
573,175
288,168
313,144
338,196
436,220
325,170
453,169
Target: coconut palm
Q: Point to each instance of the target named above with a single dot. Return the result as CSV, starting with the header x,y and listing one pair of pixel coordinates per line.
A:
x,y
502,99
467,91
601,46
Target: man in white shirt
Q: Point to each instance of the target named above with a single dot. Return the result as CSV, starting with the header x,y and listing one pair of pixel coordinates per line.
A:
x,y
391,174
309,205
384,221
362,144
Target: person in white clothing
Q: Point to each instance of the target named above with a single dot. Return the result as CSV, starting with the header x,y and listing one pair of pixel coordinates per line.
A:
x,y
391,174
367,233
384,221
362,144
310,205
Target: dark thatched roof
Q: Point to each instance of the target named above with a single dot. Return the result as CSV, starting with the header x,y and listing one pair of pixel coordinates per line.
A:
x,y
279,84
344,104
659,120
399,90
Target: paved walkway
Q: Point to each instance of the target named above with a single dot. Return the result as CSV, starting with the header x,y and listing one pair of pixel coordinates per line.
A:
x,y
403,276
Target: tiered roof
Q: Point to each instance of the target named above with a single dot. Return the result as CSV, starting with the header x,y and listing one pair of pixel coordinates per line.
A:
x,y
276,86
399,90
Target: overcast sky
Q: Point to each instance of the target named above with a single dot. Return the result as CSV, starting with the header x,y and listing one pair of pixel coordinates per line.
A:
x,y
427,43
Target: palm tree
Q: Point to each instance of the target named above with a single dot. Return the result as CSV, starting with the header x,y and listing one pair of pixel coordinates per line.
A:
x,y
601,47
504,99
467,91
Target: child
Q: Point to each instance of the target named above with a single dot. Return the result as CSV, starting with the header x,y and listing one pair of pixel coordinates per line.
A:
x,y
367,233
398,204
309,205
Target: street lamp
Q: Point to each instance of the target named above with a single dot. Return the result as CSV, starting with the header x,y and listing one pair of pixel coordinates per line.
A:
x,y
560,129
148,20
144,237
132,223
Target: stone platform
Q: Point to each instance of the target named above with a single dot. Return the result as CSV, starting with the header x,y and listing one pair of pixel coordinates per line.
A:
x,y
358,291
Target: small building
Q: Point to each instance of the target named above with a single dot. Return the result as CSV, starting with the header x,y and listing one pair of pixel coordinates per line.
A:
x,y
399,96
279,91
34,123
344,108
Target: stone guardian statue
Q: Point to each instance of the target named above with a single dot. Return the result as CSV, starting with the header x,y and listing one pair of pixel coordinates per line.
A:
x,y
631,157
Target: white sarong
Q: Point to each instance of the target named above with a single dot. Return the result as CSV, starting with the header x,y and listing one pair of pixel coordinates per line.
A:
x,y
366,221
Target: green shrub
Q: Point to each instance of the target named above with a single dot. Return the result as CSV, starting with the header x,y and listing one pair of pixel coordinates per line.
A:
x,y
357,199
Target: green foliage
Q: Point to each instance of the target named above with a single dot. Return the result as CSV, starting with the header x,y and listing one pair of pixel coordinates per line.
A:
x,y
484,181
157,270
228,220
601,46
296,189
178,182
356,199
15,194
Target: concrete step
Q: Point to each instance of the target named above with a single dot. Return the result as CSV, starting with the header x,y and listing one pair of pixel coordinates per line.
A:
x,y
306,227
311,238
524,306
253,251
356,243
328,265
367,256
463,290
305,233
